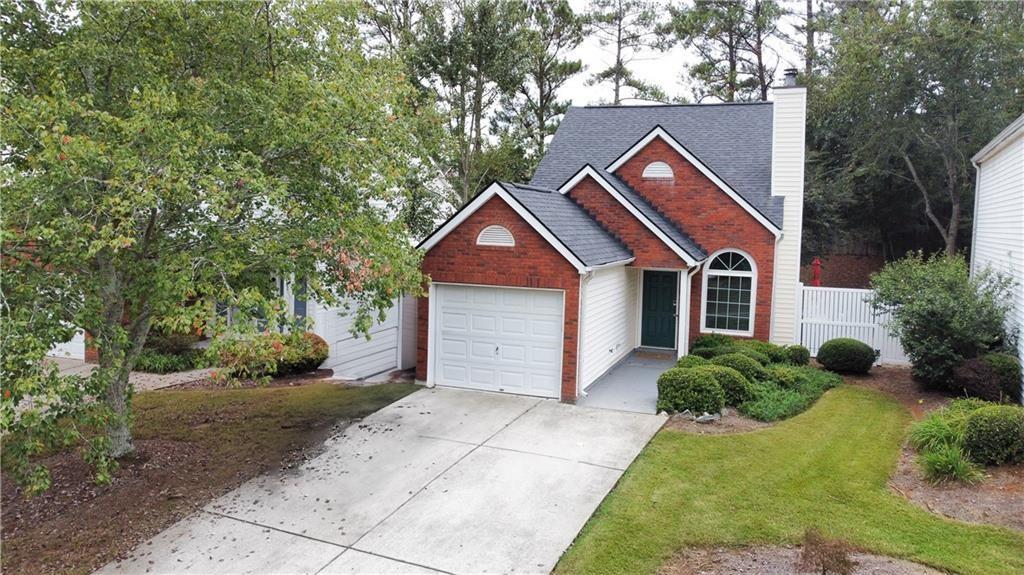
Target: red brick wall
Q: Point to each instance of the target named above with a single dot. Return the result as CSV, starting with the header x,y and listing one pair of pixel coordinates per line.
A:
x,y
531,263
649,251
845,270
711,218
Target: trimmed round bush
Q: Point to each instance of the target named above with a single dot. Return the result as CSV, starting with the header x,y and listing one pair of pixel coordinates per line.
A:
x,y
736,387
750,368
785,376
710,352
691,361
302,353
995,435
975,378
709,340
797,355
680,389
754,355
846,355
1007,370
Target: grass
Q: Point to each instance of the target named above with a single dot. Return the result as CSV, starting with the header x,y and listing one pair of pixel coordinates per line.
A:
x,y
193,446
826,468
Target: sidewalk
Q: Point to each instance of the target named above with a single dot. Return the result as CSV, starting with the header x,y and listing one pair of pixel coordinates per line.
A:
x,y
140,380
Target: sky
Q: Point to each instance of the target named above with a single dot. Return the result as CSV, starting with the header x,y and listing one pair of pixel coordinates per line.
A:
x,y
664,69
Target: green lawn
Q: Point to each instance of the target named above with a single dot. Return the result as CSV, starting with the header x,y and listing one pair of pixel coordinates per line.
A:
x,y
826,468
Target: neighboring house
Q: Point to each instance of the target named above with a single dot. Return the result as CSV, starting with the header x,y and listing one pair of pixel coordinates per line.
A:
x,y
643,227
998,240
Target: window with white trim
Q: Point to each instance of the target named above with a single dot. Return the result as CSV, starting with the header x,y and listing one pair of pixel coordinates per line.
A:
x,y
729,287
495,236
658,171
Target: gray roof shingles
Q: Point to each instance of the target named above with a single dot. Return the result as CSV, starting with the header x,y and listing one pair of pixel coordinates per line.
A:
x,y
733,140
567,221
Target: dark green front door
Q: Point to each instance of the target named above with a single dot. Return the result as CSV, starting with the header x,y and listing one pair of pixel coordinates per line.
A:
x,y
658,320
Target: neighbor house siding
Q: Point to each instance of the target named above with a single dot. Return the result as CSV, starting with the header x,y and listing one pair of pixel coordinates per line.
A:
x,y
531,263
608,321
713,219
999,222
355,356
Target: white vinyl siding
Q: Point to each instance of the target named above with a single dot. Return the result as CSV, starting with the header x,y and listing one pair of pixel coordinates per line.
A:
x,y
407,332
788,119
73,349
999,221
608,324
354,357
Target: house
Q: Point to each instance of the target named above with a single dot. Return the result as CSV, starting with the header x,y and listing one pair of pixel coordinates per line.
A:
x,y
643,227
998,239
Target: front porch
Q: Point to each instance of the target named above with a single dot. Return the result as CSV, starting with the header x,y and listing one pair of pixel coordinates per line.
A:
x,y
632,384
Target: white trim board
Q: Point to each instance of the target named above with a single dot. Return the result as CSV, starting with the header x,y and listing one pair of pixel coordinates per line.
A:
x,y
659,132
590,171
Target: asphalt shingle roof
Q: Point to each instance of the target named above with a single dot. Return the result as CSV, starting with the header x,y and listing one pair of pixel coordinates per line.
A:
x,y
733,140
567,221
667,227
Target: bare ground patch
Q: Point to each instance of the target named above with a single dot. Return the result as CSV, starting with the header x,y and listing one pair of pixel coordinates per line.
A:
x,y
732,421
773,560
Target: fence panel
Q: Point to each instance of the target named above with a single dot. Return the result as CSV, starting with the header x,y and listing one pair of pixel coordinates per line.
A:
x,y
827,313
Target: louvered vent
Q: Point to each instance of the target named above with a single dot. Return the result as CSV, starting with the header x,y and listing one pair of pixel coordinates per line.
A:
x,y
495,236
658,171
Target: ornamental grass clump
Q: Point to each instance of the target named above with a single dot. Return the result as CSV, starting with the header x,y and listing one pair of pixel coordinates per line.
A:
x,y
955,441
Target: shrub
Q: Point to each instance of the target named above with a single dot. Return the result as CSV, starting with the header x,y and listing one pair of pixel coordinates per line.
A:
x,y
995,435
711,340
170,343
751,369
754,355
846,355
691,361
772,403
710,352
940,313
948,462
736,387
774,353
303,352
936,430
785,376
698,391
797,355
1007,372
822,555
152,361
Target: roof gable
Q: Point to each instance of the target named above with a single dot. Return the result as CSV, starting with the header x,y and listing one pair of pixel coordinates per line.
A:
x,y
734,141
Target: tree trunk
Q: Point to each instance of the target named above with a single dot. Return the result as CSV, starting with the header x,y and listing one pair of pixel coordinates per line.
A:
x,y
118,430
809,45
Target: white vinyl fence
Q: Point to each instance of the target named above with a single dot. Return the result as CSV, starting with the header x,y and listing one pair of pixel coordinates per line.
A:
x,y
827,313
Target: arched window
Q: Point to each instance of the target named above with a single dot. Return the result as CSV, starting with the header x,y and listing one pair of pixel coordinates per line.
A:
x,y
730,285
495,236
658,171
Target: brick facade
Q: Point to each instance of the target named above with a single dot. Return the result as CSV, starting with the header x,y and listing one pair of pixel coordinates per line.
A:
x,y
711,218
650,252
532,262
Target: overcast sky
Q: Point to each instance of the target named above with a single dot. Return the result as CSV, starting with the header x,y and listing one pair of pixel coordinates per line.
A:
x,y
664,69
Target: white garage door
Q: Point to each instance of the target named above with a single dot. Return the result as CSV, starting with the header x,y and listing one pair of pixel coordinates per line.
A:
x,y
499,339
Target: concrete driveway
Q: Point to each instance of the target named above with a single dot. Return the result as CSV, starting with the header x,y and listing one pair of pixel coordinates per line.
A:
x,y
444,480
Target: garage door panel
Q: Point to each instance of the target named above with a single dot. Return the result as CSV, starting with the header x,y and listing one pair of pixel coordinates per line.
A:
x,y
500,339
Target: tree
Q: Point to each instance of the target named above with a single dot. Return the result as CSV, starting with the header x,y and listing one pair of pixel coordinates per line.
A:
x,y
909,93
629,27
159,157
469,57
533,112
731,40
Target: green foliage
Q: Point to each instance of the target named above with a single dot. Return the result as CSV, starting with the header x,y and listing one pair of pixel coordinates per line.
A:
x,y
940,313
948,462
265,356
691,361
995,435
785,376
846,355
773,353
939,428
163,156
754,355
170,342
689,389
750,368
1006,370
736,387
787,391
628,27
303,352
797,355
977,377
709,340
153,361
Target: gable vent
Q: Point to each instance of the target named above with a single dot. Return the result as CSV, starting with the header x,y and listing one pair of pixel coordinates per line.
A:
x,y
658,171
495,236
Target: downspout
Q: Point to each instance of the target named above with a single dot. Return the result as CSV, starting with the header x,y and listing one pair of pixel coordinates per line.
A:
x,y
585,278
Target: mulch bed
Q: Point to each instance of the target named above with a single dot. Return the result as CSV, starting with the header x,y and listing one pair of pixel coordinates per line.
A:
x,y
318,376
771,560
732,421
997,500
